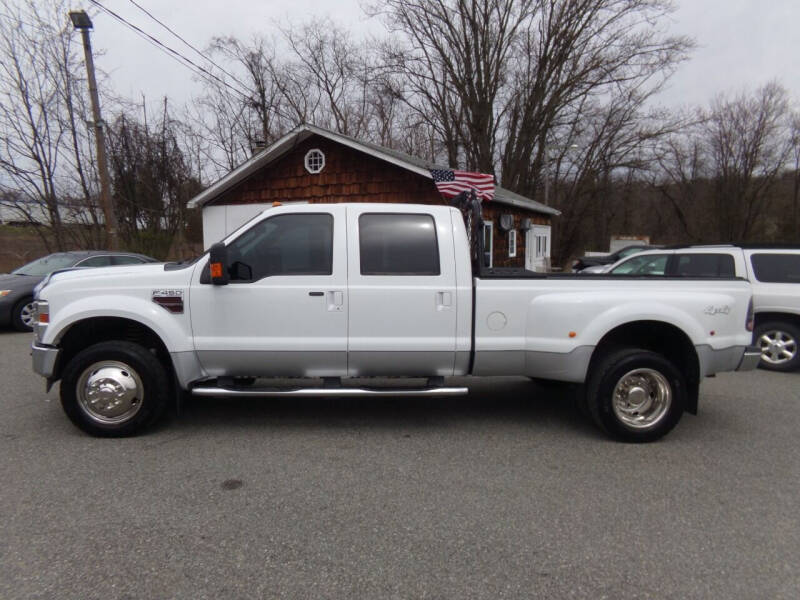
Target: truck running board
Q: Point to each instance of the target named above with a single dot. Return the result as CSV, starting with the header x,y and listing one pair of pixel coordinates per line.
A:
x,y
222,392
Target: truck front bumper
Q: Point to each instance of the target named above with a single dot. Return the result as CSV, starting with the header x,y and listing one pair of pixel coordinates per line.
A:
x,y
45,359
750,359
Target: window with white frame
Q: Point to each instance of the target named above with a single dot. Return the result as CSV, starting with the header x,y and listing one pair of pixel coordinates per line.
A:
x,y
512,243
541,245
315,161
488,241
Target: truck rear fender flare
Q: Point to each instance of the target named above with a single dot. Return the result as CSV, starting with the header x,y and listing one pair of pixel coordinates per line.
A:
x,y
654,312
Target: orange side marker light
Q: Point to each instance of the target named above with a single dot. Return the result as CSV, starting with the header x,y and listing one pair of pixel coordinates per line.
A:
x,y
572,334
216,269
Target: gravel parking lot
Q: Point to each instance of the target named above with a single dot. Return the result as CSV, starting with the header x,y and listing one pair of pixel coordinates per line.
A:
x,y
505,493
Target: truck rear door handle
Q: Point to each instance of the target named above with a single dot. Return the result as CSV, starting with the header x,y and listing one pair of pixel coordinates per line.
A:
x,y
444,300
335,300
316,293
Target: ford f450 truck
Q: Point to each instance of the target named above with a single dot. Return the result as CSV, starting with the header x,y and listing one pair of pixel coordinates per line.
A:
x,y
334,292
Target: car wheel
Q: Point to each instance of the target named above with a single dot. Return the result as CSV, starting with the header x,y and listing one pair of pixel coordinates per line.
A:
x,y
636,395
114,389
778,342
22,315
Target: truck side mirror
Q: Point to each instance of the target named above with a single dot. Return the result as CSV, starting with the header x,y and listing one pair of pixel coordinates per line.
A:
x,y
218,264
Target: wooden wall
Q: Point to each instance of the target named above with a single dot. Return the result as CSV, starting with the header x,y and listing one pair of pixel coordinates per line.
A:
x,y
352,176
492,212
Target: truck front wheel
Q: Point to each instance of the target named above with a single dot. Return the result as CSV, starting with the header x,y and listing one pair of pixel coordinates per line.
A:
x,y
114,389
636,395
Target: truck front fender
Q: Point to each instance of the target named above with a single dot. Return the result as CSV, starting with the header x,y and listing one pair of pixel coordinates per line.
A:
x,y
174,330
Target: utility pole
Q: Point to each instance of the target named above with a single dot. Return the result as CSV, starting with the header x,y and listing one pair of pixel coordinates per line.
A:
x,y
82,22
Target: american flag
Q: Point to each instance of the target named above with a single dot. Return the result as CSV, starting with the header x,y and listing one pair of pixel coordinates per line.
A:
x,y
452,183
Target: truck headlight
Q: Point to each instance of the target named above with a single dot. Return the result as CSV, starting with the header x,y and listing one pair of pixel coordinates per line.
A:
x,y
41,318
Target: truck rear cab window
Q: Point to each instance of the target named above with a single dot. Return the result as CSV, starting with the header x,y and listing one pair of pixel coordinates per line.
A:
x,y
776,268
293,244
398,244
705,265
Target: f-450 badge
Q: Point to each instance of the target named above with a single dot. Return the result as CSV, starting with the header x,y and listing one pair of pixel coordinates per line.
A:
x,y
172,300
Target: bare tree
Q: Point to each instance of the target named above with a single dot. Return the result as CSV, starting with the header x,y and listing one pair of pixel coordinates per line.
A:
x,y
152,181
795,144
335,70
748,145
44,150
503,82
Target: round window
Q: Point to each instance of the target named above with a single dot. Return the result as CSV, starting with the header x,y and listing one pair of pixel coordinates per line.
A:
x,y
315,161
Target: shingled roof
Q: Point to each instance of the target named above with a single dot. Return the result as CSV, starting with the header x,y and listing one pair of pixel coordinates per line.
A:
x,y
395,157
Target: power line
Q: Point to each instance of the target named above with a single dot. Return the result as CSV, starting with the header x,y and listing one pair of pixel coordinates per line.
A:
x,y
173,32
187,62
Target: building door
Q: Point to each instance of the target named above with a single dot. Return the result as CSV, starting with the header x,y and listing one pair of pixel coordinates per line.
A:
x,y
402,292
537,248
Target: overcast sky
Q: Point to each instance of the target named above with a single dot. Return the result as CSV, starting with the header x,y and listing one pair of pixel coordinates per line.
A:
x,y
742,44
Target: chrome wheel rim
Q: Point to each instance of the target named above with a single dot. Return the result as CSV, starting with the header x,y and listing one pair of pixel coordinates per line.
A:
x,y
26,315
110,392
777,347
641,398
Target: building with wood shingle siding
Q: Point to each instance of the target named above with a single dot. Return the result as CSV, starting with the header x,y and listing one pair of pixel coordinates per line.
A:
x,y
314,165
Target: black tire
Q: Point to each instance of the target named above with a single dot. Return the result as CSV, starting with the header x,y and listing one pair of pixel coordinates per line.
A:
x,y
152,400
16,315
782,332
657,370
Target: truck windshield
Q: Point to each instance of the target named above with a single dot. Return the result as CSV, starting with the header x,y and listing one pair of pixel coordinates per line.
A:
x,y
46,265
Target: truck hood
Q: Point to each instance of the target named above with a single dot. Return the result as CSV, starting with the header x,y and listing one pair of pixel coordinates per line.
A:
x,y
109,273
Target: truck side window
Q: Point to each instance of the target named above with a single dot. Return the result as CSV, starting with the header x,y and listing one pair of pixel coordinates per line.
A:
x,y
298,244
777,268
398,244
705,265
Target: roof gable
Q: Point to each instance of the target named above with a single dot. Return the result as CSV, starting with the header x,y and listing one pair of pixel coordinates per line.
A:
x,y
283,145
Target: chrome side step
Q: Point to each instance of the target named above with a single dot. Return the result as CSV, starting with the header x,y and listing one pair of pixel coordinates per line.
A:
x,y
221,392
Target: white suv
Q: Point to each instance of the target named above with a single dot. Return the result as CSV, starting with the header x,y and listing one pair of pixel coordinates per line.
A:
x,y
773,271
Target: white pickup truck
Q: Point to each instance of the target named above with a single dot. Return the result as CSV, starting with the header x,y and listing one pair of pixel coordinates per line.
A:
x,y
340,291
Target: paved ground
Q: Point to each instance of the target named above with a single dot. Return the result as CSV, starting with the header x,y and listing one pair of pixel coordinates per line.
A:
x,y
504,494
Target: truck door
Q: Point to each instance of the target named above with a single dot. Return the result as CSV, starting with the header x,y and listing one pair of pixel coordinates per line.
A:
x,y
284,312
402,292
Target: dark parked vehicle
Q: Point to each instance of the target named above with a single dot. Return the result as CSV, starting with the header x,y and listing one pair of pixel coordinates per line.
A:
x,y
596,263
16,288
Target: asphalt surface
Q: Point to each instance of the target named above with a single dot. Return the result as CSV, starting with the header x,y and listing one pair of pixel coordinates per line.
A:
x,y
507,493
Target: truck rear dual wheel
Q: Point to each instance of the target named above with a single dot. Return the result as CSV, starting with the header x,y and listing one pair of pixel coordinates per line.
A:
x,y
778,341
114,389
636,395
